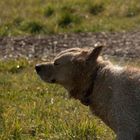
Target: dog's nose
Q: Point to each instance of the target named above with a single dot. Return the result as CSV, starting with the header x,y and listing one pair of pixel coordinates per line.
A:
x,y
37,68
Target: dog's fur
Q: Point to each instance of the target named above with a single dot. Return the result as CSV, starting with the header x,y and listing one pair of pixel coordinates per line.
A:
x,y
111,92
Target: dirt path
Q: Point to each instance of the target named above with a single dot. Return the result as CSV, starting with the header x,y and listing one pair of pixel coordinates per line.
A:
x,y
123,44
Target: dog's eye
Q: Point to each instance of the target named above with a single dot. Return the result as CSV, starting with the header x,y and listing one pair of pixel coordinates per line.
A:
x,y
56,63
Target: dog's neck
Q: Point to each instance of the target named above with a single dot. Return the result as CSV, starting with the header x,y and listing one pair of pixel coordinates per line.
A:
x,y
83,94
86,99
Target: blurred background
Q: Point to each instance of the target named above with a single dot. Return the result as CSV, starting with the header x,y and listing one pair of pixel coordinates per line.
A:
x,y
30,17
34,31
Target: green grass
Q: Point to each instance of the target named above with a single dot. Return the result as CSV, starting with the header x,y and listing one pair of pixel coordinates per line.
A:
x,y
20,17
31,109
48,11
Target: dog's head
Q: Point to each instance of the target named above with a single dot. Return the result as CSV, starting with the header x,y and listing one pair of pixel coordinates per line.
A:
x,y
71,68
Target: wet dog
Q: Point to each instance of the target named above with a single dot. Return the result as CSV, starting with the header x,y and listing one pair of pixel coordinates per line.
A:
x,y
111,92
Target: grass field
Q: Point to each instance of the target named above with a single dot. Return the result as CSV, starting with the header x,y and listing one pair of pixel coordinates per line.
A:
x,y
33,110
20,17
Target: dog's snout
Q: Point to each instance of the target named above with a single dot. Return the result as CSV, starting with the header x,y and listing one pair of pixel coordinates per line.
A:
x,y
38,68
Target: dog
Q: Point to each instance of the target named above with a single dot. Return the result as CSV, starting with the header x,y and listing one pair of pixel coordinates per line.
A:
x,y
111,92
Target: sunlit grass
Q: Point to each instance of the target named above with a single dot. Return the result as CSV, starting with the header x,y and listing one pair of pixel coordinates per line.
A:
x,y
31,109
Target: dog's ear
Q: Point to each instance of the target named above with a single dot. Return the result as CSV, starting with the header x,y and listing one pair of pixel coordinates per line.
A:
x,y
80,57
93,54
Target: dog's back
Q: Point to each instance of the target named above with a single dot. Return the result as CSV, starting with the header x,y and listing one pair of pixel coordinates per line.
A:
x,y
116,99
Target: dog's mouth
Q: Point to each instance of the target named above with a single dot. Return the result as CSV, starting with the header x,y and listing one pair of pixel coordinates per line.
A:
x,y
52,81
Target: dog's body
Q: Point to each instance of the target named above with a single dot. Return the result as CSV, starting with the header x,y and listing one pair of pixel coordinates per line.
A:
x,y
112,93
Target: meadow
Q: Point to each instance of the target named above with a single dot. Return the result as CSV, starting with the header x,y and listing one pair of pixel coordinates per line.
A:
x,y
33,110
20,17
